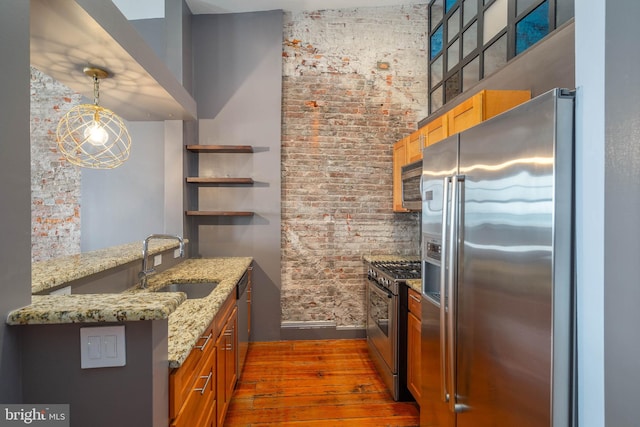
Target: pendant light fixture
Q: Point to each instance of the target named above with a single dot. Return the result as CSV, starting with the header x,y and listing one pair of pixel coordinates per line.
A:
x,y
91,136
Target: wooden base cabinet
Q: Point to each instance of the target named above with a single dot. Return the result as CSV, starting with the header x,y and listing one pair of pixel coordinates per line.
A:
x,y
200,390
192,390
413,344
227,347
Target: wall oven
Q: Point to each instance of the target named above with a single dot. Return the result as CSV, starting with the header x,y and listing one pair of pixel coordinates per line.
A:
x,y
386,328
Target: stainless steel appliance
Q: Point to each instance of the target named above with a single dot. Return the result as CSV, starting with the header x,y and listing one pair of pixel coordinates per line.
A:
x,y
242,296
410,176
386,329
497,251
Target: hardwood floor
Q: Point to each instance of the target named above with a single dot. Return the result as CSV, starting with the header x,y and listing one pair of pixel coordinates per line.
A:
x,y
314,383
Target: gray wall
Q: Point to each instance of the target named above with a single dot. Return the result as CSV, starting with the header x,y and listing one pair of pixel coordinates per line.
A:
x,y
133,395
590,209
237,85
178,46
608,205
621,213
15,172
127,203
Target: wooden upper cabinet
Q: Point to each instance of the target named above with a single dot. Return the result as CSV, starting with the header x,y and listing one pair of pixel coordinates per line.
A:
x,y
436,130
399,160
482,106
414,146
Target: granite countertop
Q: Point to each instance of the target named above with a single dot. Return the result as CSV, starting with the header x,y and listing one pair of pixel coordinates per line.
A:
x,y
89,308
415,284
55,272
187,319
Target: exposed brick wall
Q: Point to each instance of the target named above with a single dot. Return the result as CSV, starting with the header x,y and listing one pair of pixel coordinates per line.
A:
x,y
354,82
55,183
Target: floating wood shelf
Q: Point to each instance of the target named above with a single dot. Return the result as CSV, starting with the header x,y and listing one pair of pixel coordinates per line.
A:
x,y
220,148
218,213
202,148
201,180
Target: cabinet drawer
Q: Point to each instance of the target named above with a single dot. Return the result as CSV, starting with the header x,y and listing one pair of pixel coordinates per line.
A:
x,y
201,398
414,303
182,380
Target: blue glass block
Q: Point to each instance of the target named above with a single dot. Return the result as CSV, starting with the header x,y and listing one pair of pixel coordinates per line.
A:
x,y
436,43
532,27
448,4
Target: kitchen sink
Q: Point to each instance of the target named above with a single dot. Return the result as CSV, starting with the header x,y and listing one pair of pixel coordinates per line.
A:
x,y
193,290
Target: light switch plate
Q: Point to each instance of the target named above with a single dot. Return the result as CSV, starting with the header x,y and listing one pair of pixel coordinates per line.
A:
x,y
157,260
102,347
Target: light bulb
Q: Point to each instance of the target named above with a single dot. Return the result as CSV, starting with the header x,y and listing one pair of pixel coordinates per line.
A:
x,y
96,134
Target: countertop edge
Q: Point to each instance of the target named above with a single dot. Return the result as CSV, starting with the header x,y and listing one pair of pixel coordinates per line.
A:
x,y
94,308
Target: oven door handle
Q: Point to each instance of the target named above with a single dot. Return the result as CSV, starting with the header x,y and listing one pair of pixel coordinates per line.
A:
x,y
379,287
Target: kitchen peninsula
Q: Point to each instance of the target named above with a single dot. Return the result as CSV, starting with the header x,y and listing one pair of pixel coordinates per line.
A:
x,y
161,330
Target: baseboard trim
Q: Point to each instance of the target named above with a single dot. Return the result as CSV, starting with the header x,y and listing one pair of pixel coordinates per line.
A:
x,y
322,330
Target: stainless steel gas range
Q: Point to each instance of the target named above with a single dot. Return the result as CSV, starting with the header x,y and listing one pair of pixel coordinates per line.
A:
x,y
386,329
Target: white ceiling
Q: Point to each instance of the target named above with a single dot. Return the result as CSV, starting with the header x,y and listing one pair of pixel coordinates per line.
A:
x,y
239,6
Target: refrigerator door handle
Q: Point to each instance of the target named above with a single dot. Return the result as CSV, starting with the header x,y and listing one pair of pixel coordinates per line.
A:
x,y
446,186
452,279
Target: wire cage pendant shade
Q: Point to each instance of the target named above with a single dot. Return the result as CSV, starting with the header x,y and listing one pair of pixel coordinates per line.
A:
x,y
91,136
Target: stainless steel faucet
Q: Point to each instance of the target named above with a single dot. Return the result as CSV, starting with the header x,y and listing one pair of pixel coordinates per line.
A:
x,y
146,271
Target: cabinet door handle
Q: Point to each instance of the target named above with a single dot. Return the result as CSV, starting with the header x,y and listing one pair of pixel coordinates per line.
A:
x,y
415,298
206,341
206,383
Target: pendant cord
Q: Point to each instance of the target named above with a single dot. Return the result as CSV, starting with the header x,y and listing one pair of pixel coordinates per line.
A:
x,y
96,90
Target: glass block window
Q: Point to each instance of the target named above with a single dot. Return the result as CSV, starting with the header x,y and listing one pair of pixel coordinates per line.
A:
x,y
532,28
494,19
435,44
471,39
471,73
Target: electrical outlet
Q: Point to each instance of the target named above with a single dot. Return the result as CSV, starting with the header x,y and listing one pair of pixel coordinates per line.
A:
x,y
157,260
176,253
102,347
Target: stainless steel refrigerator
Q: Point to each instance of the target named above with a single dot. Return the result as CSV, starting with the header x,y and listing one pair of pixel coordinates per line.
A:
x,y
497,252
